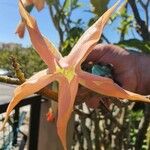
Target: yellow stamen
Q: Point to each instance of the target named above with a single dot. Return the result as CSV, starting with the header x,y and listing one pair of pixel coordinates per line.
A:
x,y
69,73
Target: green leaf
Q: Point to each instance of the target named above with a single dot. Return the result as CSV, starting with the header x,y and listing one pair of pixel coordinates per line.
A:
x,y
69,5
72,37
51,2
144,46
99,6
66,6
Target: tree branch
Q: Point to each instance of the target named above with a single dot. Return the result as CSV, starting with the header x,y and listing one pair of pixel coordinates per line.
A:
x,y
9,80
105,38
145,7
141,28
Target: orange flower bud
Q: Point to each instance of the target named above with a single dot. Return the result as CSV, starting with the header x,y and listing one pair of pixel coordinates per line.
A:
x,y
50,116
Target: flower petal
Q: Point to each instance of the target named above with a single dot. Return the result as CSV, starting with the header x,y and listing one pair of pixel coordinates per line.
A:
x,y
107,87
67,93
27,2
86,42
39,4
44,48
21,29
32,85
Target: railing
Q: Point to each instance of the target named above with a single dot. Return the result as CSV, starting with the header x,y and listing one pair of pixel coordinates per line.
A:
x,y
11,135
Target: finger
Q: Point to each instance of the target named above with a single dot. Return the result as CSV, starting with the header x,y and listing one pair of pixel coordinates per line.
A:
x,y
107,54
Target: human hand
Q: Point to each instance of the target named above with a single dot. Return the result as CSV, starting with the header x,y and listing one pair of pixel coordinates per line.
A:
x,y
131,70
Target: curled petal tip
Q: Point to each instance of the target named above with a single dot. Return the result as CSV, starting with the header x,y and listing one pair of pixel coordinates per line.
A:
x,y
20,29
138,97
39,7
39,4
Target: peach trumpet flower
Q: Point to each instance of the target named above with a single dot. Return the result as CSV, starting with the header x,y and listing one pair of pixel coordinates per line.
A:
x,y
28,4
67,71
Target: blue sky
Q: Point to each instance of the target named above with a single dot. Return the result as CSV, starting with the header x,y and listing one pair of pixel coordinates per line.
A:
x,y
9,18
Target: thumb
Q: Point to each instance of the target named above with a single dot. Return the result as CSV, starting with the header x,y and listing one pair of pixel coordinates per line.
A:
x,y
107,54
